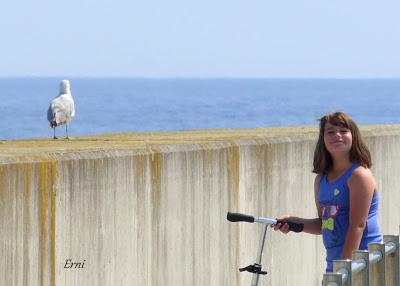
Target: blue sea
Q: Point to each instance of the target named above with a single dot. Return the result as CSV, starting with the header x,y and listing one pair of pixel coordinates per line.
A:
x,y
106,105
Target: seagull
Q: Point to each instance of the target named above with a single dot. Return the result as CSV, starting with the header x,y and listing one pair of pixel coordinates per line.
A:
x,y
61,109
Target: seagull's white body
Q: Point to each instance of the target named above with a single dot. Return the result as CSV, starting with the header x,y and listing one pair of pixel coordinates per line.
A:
x,y
61,109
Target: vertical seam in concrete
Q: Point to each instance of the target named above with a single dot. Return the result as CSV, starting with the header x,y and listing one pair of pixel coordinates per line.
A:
x,y
42,219
53,220
47,207
16,222
155,173
1,183
27,223
140,206
233,176
233,181
6,255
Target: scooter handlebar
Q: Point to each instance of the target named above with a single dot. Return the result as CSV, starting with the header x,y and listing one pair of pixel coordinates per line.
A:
x,y
234,217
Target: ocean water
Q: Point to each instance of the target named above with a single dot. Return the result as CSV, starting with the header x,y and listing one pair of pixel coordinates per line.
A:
x,y
131,105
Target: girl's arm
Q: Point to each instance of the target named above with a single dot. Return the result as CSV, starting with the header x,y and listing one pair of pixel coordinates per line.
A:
x,y
362,187
311,225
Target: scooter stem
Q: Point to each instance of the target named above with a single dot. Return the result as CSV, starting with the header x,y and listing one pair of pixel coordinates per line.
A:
x,y
254,280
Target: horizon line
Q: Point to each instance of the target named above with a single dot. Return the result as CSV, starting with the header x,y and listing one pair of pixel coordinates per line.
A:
x,y
202,77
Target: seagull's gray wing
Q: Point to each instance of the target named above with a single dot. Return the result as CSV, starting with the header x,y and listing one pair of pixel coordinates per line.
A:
x,y
50,115
60,110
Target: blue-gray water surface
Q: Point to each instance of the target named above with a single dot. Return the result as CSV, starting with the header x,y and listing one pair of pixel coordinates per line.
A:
x,y
131,105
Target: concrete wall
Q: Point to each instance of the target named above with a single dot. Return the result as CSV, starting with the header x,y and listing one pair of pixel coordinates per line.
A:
x,y
154,213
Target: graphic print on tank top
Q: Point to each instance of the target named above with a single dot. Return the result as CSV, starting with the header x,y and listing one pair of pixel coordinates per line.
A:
x,y
329,213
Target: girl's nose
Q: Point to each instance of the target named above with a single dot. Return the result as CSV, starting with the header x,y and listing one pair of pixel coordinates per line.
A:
x,y
337,135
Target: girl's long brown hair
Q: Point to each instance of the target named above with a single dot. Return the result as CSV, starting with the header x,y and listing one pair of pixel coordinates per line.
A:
x,y
358,153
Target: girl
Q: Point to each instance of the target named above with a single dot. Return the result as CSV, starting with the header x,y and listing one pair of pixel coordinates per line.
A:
x,y
344,189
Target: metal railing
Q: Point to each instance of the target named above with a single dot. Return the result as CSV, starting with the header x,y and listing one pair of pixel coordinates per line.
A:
x,y
377,266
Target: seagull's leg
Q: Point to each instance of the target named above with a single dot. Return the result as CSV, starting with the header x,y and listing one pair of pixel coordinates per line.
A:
x,y
66,130
54,129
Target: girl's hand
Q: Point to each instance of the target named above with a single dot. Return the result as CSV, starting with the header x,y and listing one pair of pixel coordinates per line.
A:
x,y
283,227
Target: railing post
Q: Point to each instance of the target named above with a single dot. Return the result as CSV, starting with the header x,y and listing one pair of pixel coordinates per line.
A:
x,y
361,278
343,264
377,268
392,262
332,279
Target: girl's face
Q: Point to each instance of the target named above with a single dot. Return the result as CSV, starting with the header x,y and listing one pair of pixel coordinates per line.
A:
x,y
337,139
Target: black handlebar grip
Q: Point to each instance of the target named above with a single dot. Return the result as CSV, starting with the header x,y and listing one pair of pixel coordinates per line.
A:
x,y
293,226
234,217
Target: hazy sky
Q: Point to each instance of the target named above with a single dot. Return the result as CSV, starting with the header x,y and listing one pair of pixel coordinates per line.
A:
x,y
204,38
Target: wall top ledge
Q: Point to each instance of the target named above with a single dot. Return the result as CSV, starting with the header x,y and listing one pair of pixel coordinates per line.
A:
x,y
126,144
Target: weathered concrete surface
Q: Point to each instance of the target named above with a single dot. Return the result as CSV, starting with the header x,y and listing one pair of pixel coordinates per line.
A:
x,y
150,208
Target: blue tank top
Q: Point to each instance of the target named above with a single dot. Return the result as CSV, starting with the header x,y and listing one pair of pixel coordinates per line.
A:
x,y
335,204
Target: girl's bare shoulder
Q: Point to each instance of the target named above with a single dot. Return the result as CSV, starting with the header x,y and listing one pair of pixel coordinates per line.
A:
x,y
361,172
361,176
